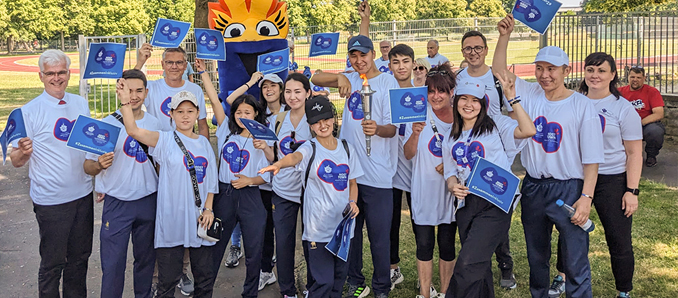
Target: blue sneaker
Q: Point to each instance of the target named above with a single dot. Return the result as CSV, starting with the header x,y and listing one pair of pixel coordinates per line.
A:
x,y
557,287
624,295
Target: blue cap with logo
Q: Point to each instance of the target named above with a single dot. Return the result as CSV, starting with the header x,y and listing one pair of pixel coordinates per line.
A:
x,y
360,43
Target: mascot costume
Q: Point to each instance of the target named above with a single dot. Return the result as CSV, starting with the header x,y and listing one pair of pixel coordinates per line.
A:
x,y
250,28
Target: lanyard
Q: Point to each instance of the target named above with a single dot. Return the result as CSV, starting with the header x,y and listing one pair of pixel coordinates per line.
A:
x,y
462,175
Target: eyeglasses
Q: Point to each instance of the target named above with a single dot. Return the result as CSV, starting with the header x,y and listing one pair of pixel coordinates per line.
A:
x,y
638,67
419,68
60,73
435,72
173,63
477,49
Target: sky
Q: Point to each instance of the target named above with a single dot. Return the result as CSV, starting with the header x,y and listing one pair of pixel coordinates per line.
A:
x,y
570,3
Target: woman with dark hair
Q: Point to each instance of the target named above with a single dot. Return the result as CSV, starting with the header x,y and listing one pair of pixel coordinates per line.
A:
x,y
481,224
616,191
431,203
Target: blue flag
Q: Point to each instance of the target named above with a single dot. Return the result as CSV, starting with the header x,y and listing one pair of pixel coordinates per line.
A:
x,y
408,105
209,44
494,184
15,129
536,14
341,239
93,136
169,33
105,60
324,44
273,62
258,130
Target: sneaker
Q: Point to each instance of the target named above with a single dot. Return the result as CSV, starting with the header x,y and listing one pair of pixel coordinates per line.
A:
x,y
624,295
185,285
557,287
356,291
234,255
433,292
266,278
650,162
154,290
508,279
396,277
295,296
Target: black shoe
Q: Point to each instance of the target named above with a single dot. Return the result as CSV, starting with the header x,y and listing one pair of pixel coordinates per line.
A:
x,y
650,162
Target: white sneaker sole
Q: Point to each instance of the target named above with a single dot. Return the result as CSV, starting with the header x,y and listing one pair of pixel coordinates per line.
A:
x,y
270,281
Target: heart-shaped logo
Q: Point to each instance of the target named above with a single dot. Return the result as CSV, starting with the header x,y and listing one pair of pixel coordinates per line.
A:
x,y
435,146
334,174
414,102
62,129
602,121
237,159
101,137
348,62
174,33
165,29
475,150
200,164
286,144
384,69
89,129
133,149
323,43
355,106
497,183
549,134
107,59
165,106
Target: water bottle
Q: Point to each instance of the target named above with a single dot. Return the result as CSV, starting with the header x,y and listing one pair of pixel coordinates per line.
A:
x,y
588,226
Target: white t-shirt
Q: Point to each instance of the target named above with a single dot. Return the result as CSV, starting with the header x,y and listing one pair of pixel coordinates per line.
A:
x,y
491,94
620,122
238,156
327,191
432,204
403,177
349,67
382,65
176,217
56,171
268,186
381,165
287,183
160,95
131,176
568,134
438,59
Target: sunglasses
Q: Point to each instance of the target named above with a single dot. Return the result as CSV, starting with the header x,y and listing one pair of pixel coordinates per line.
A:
x,y
435,72
638,67
419,68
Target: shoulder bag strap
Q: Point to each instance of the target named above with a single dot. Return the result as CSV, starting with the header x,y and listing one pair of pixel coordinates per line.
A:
x,y
191,169
278,124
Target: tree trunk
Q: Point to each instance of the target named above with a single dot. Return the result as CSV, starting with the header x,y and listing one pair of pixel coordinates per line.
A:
x,y
9,45
63,44
201,12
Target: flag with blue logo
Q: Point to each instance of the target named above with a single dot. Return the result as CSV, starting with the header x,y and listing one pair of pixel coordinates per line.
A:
x,y
324,44
408,105
341,239
209,44
105,60
273,62
15,129
536,14
169,33
494,184
93,136
259,131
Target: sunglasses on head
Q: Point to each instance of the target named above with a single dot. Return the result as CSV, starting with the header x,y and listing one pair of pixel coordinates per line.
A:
x,y
419,68
435,72
638,67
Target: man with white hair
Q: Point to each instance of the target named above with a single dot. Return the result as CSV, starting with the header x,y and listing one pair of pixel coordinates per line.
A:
x,y
434,57
60,189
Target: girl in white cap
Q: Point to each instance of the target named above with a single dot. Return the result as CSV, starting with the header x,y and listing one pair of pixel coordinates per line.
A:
x,y
185,193
498,139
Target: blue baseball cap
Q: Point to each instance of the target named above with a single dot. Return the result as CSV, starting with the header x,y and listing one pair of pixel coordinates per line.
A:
x,y
553,55
360,43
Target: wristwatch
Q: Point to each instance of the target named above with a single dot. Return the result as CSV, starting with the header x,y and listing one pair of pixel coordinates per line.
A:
x,y
634,191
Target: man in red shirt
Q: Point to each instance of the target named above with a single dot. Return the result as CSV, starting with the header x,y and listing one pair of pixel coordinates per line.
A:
x,y
650,106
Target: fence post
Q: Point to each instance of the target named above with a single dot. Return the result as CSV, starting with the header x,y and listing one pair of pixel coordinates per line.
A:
x,y
394,28
475,23
639,39
82,51
544,39
141,39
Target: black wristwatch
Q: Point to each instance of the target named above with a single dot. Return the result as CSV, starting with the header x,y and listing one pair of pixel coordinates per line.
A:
x,y
634,191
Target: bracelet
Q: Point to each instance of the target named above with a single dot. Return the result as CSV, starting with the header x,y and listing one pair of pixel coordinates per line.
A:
x,y
586,196
515,101
248,85
124,104
207,209
352,201
201,72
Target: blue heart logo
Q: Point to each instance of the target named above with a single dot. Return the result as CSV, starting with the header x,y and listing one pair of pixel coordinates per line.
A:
x,y
334,174
165,106
165,29
317,88
414,102
384,69
89,129
286,145
475,150
62,129
133,149
325,43
200,165
277,60
603,121
237,159
497,183
435,146
348,62
319,41
355,106
549,134
101,137
532,14
174,33
268,60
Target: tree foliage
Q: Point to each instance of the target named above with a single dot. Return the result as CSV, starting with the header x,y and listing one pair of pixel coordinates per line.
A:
x,y
486,8
621,5
180,10
441,9
119,17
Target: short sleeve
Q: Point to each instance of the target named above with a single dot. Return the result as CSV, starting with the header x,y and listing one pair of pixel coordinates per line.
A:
x,y
630,123
507,127
449,165
392,84
306,150
356,170
189,69
159,151
212,171
591,137
527,92
656,99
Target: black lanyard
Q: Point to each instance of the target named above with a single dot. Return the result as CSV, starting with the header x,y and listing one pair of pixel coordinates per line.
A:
x,y
191,170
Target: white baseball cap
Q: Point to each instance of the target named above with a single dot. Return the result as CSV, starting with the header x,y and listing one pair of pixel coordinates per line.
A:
x,y
182,96
270,77
470,86
553,55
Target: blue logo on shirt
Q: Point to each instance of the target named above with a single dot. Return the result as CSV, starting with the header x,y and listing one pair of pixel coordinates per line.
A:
x,y
165,106
348,62
132,148
107,59
497,183
549,134
475,149
355,106
334,174
286,143
237,159
170,31
62,129
200,165
435,146
384,69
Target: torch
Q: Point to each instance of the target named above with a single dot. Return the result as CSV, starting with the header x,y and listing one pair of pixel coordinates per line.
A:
x,y
366,94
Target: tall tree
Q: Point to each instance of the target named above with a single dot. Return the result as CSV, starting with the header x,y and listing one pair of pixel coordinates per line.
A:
x,y
441,9
24,19
180,10
486,8
620,5
389,10
120,17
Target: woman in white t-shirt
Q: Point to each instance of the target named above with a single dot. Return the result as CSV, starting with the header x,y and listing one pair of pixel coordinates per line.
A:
x,y
481,224
179,209
331,185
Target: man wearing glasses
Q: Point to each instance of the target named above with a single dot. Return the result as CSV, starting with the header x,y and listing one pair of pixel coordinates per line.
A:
x,y
650,106
434,58
382,62
60,189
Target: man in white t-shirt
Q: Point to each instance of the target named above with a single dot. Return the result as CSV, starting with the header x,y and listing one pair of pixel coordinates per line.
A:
x,y
60,189
375,194
382,62
127,183
562,163
434,57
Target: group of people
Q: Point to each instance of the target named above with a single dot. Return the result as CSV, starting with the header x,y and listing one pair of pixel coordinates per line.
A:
x,y
163,185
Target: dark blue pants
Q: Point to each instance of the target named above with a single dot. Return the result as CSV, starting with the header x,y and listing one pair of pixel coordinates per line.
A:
x,y
653,135
376,208
119,219
269,243
241,205
285,214
66,232
170,269
328,271
395,223
539,215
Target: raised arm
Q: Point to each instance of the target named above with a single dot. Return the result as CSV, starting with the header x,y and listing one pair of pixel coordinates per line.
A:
x,y
333,80
364,11
148,137
244,87
289,160
499,64
525,127
211,91
143,54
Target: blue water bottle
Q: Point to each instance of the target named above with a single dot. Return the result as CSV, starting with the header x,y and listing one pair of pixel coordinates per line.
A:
x,y
588,226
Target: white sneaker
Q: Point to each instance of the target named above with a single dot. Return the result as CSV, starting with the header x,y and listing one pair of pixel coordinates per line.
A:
x,y
396,277
433,292
266,278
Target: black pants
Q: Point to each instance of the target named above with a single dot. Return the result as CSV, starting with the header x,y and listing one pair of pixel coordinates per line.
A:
x,y
269,243
610,190
170,269
481,229
653,135
285,214
425,239
66,232
395,223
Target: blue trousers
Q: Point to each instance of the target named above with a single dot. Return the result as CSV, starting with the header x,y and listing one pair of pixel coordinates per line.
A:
x,y
244,206
539,215
285,214
328,271
120,219
376,208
